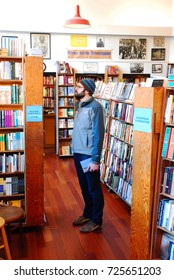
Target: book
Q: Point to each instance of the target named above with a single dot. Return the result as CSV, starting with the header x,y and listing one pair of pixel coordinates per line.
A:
x,y
171,251
168,117
166,141
164,248
171,144
85,163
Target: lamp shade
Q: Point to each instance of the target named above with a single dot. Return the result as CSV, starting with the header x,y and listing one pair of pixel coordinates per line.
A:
x,y
77,21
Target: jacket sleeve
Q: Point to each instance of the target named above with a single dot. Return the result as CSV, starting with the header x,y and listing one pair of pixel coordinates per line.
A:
x,y
98,133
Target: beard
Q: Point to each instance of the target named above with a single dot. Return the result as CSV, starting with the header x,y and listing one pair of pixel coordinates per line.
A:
x,y
79,96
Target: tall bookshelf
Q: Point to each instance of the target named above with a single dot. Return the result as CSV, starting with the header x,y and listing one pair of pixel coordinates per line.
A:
x,y
64,113
28,188
162,224
116,169
49,110
147,123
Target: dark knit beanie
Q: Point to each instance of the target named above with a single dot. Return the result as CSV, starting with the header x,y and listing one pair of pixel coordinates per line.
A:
x,y
89,85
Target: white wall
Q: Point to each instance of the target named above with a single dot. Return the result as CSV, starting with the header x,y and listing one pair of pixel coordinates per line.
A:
x,y
134,18
104,15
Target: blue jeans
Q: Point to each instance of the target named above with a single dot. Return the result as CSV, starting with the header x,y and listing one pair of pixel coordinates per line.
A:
x,y
91,191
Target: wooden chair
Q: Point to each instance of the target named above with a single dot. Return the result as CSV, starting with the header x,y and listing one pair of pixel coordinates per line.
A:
x,y
13,217
3,240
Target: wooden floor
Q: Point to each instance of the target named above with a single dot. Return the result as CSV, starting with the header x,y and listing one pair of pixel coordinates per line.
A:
x,y
58,239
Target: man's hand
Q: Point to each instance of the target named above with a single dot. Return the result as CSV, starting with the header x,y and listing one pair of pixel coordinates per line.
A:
x,y
92,167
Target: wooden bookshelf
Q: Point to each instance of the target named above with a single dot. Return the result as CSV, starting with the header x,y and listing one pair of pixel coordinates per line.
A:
x,y
28,170
34,172
147,123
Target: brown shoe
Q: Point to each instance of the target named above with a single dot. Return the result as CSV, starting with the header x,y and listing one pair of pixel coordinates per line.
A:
x,y
90,226
80,220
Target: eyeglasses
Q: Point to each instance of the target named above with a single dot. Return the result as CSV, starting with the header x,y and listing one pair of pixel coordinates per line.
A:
x,y
79,86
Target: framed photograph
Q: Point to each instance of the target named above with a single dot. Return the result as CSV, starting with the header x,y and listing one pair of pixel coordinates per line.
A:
x,y
158,54
136,67
90,67
156,68
100,42
132,48
41,41
158,42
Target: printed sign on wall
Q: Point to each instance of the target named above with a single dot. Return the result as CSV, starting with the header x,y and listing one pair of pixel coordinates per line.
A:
x,y
89,54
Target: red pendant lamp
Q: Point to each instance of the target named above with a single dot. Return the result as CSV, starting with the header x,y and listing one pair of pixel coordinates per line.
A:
x,y
77,21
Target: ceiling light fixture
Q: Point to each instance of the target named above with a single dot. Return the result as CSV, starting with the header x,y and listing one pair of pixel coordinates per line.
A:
x,y
77,21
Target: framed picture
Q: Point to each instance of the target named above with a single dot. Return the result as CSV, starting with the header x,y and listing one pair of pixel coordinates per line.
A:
x,y
132,48
90,67
136,67
156,68
158,42
41,41
100,42
158,54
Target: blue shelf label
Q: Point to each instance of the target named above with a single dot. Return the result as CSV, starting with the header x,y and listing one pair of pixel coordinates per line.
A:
x,y
142,120
34,113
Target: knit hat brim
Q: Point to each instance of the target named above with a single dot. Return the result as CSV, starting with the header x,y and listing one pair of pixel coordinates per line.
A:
x,y
89,85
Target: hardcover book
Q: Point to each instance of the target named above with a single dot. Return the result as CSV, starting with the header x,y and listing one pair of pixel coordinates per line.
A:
x,y
85,163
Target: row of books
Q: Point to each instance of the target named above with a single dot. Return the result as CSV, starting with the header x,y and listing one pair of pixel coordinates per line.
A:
x,y
12,162
11,185
168,143
64,91
119,90
66,123
165,216
11,94
15,46
123,90
122,130
11,118
66,101
121,167
65,150
65,133
12,141
120,148
10,70
65,80
48,92
48,102
168,180
48,80
66,112
119,185
122,111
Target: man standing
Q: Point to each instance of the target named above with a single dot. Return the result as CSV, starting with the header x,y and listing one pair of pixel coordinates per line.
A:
x,y
87,142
